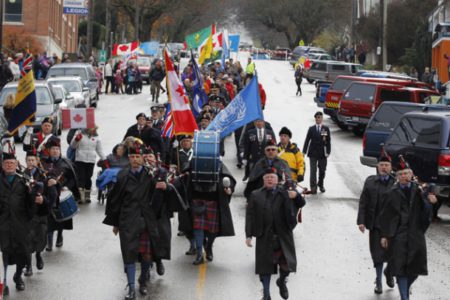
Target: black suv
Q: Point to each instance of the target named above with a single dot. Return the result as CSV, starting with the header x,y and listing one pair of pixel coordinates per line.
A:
x,y
382,123
424,141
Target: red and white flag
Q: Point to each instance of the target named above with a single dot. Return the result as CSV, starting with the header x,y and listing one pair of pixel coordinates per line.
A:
x,y
182,117
78,118
124,49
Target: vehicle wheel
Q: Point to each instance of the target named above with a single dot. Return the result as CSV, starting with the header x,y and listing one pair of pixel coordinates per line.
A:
x,y
148,81
342,126
311,81
94,105
60,129
358,131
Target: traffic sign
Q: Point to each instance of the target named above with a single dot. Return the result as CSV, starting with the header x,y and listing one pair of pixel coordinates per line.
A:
x,y
102,55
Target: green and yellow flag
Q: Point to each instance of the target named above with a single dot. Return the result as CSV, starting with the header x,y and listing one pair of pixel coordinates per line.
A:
x,y
193,41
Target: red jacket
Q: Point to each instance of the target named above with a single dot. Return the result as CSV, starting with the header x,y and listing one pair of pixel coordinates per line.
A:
x,y
230,89
262,94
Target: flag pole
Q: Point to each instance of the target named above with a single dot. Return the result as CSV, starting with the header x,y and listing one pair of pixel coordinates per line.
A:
x,y
169,96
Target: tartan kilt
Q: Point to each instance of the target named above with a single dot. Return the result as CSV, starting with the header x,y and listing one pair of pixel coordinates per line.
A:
x,y
209,220
145,246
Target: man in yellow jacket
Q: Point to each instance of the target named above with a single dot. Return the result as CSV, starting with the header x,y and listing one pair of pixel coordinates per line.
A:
x,y
290,153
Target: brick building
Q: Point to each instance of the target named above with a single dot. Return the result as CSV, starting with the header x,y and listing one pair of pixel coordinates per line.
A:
x,y
44,19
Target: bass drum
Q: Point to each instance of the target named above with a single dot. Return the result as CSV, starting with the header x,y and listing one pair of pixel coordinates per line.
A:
x,y
205,163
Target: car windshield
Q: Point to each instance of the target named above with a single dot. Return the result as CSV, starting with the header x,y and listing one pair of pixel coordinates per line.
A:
x,y
143,61
71,86
387,116
58,72
341,84
42,95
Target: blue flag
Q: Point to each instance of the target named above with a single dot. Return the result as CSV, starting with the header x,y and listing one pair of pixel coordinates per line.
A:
x,y
234,42
245,108
200,96
150,48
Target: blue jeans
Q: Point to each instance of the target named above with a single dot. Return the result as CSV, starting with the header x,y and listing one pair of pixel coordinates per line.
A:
x,y
404,283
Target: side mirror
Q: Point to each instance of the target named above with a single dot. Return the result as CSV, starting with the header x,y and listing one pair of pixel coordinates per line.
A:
x,y
58,100
85,89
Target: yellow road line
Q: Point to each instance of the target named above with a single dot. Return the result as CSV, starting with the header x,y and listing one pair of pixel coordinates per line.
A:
x,y
201,280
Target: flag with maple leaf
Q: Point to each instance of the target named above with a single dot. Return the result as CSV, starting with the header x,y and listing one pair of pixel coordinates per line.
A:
x,y
182,117
124,49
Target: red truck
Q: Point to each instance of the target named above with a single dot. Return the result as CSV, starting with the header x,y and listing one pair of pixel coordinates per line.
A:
x,y
341,84
361,99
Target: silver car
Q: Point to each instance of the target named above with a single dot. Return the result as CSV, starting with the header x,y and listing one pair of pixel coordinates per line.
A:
x,y
74,85
47,104
68,101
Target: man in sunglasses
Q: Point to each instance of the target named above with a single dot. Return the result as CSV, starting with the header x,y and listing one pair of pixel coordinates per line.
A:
x,y
318,147
269,160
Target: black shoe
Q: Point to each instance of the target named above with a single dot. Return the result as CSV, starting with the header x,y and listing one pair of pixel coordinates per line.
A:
x,y
389,279
131,294
28,271
209,254
239,165
6,291
378,288
198,261
180,233
160,268
39,262
322,189
20,285
143,289
191,251
59,241
245,178
313,191
49,248
284,293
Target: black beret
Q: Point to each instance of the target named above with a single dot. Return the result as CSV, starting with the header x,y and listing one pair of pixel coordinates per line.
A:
x,y
31,152
205,117
286,131
271,143
136,148
183,137
53,142
47,120
140,115
7,155
155,108
384,158
319,113
147,150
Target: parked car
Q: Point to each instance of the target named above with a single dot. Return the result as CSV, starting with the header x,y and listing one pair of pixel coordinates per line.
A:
x,y
300,51
68,101
361,99
329,70
47,104
383,122
144,65
73,85
342,83
84,71
320,56
321,92
423,140
281,54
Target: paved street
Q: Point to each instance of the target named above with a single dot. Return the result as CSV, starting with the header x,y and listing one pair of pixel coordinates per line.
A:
x,y
333,256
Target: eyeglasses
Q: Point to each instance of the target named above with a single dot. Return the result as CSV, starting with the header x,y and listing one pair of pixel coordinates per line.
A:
x,y
271,149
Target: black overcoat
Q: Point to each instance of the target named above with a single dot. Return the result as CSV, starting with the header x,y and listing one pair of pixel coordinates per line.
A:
x,y
267,213
130,209
16,212
403,222
317,144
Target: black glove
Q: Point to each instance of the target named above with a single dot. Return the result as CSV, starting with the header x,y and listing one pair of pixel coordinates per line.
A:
x,y
300,178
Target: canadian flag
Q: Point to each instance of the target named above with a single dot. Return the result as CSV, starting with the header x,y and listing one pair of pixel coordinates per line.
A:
x,y
78,118
124,49
182,117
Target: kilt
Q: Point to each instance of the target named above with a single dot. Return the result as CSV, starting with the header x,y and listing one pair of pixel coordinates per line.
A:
x,y
209,220
145,245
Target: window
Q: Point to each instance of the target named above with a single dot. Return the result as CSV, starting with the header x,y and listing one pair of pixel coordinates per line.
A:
x,y
390,95
341,84
360,92
418,131
13,11
338,67
319,66
387,116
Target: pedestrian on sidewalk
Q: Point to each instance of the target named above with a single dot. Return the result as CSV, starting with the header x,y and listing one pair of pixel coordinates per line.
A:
x,y
271,217
318,147
298,79
109,77
404,220
87,145
371,202
157,75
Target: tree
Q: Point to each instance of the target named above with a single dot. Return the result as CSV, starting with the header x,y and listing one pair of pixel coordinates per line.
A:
x,y
16,40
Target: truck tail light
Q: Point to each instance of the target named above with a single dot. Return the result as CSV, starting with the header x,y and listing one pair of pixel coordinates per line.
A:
x,y
444,165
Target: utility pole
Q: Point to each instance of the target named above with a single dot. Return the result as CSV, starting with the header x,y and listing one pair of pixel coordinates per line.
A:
x,y
108,26
385,11
1,30
89,28
380,51
136,19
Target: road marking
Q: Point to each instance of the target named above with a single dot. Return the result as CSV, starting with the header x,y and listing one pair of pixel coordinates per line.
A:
x,y
201,280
